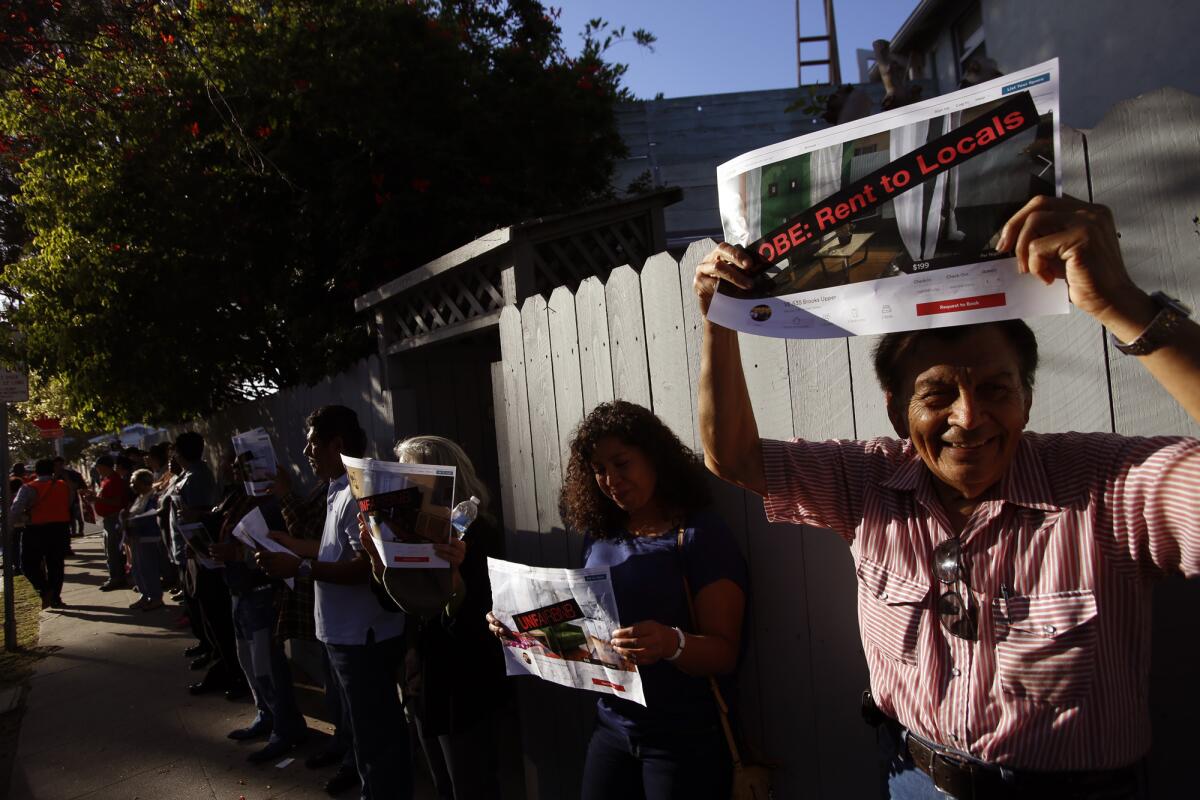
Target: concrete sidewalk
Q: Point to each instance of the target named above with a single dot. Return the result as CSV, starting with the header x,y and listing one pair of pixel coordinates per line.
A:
x,y
109,715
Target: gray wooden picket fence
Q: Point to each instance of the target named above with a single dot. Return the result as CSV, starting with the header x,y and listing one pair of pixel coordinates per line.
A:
x,y
637,337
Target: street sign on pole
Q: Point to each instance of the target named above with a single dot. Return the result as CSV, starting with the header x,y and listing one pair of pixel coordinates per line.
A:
x,y
14,386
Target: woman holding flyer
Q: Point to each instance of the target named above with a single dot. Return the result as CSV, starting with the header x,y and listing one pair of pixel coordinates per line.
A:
x,y
454,671
632,488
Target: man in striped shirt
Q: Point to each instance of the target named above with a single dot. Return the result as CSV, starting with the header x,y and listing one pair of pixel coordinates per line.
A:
x,y
1004,577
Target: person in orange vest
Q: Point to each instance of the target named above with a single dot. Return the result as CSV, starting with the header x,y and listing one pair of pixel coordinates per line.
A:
x,y
47,501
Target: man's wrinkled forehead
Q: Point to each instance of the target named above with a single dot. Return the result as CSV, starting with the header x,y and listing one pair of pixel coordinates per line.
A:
x,y
984,353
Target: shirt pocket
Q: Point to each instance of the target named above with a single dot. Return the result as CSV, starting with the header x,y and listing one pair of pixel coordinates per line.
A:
x,y
890,610
1046,646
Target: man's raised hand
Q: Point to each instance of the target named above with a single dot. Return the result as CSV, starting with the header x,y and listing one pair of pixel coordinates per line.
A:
x,y
726,262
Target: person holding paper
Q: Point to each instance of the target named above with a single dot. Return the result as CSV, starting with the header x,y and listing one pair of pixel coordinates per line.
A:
x,y
364,641
455,669
255,615
632,487
1005,577
191,502
304,518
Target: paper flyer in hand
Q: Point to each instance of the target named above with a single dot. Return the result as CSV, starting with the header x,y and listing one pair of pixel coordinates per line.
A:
x,y
198,538
562,622
255,461
407,507
891,222
252,531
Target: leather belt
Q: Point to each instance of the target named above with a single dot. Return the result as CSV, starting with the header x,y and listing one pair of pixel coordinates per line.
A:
x,y
965,780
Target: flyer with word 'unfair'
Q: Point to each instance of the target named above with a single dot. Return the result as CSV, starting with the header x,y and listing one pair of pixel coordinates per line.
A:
x,y
561,623
891,222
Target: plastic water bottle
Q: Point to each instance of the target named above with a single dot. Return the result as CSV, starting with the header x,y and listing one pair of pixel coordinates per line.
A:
x,y
463,515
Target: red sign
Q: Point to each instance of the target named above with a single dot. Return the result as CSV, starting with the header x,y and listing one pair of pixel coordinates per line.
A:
x,y
49,427
960,304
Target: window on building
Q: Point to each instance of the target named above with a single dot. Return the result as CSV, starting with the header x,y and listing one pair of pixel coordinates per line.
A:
x,y
968,38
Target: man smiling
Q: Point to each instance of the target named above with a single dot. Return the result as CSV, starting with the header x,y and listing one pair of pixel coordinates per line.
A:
x,y
1005,577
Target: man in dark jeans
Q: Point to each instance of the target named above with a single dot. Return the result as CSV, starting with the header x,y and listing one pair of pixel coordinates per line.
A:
x,y
364,641
110,502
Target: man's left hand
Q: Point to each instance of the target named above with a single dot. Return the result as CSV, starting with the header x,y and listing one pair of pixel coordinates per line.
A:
x,y
1062,237
278,565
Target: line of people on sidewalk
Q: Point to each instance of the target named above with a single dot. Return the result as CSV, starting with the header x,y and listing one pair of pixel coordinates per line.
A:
x,y
242,611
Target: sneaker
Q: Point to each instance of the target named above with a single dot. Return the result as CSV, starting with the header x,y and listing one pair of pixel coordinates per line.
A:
x,y
141,603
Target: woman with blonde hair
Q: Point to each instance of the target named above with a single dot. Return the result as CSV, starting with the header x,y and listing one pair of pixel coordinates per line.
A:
x,y
454,683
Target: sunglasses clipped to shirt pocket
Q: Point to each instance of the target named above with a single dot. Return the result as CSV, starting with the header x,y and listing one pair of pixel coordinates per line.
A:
x,y
890,610
1046,645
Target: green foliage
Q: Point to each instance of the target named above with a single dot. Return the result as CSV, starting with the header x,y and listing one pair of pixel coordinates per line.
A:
x,y
199,190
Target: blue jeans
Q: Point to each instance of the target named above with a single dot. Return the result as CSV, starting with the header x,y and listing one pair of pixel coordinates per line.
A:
x,y
366,675
147,567
689,764
265,664
904,781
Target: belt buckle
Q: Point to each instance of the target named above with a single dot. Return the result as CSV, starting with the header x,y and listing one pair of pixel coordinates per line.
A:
x,y
951,776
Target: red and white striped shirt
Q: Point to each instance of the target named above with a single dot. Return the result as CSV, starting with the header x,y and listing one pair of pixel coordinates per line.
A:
x,y
1074,534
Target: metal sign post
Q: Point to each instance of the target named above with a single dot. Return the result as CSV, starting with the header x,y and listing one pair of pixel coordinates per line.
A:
x,y
14,388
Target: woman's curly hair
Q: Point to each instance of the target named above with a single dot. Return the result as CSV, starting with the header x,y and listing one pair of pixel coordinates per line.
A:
x,y
681,479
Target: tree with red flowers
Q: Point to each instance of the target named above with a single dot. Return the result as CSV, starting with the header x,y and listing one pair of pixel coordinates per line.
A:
x,y
198,190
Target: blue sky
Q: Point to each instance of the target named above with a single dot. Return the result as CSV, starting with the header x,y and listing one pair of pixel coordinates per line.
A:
x,y
715,46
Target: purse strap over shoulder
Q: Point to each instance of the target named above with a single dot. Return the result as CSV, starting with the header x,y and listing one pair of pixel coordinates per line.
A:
x,y
722,707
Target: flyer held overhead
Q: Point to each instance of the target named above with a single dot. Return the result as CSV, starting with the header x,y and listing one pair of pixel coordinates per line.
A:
x,y
891,222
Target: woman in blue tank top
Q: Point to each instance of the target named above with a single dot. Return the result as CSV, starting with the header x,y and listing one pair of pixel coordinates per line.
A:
x,y
630,487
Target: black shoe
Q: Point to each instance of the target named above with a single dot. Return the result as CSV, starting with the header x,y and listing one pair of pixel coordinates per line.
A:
x,y
273,751
200,661
255,731
238,692
325,758
343,779
196,650
57,603
204,687
109,586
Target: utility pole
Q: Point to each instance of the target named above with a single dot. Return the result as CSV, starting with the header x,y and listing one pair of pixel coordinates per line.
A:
x,y
14,388
829,37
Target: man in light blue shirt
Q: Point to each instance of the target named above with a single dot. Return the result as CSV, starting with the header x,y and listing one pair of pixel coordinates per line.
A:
x,y
363,639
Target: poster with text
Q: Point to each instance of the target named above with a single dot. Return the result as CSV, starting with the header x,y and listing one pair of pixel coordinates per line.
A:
x,y
254,461
562,621
891,222
407,508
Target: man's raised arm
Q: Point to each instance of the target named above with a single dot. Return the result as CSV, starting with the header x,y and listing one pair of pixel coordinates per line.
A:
x,y
1067,238
727,427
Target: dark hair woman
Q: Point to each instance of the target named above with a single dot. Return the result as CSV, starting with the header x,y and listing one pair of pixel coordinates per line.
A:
x,y
630,487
